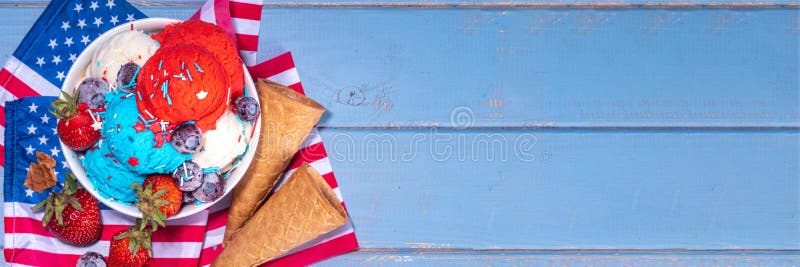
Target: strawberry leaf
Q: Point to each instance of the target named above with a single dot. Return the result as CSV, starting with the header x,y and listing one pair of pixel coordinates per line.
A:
x,y
161,193
74,203
59,215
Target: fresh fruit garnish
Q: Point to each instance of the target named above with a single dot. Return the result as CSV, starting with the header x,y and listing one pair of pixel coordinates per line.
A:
x,y
188,176
91,259
131,248
187,138
76,128
159,199
213,187
188,198
125,77
92,91
72,215
247,108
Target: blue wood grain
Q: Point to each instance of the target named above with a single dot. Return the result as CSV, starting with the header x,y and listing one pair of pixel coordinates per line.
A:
x,y
534,68
568,68
563,258
570,189
461,3
687,72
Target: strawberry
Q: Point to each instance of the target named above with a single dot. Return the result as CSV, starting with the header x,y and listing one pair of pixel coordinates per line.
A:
x,y
77,215
130,248
159,199
76,127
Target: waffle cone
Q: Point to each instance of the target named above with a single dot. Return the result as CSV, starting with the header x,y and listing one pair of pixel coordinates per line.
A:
x,y
303,209
287,118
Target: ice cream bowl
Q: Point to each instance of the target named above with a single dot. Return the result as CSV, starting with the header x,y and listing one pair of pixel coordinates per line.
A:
x,y
77,73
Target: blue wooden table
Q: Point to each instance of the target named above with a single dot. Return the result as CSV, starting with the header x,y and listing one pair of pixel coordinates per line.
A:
x,y
548,132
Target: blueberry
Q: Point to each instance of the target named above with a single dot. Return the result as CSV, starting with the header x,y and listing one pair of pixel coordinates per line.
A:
x,y
91,259
187,138
125,77
213,187
247,108
188,198
92,91
188,176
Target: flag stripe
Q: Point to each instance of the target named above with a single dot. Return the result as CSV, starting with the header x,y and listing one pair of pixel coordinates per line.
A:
x,y
247,42
15,86
3,118
269,68
34,257
330,248
248,57
313,138
255,2
243,10
331,179
207,13
183,233
289,76
309,154
297,87
246,26
184,250
30,77
222,14
217,219
20,209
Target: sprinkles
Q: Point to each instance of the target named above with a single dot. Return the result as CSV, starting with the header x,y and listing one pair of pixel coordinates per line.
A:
x,y
211,170
228,97
148,114
160,62
198,67
185,171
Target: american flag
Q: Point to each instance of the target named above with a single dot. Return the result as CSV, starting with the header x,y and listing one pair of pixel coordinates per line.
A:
x,y
38,68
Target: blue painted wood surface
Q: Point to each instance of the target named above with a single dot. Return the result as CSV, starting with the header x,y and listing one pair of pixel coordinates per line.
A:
x,y
654,135
563,68
467,3
368,257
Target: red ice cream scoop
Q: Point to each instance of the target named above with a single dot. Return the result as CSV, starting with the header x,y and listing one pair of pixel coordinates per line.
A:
x,y
212,38
181,83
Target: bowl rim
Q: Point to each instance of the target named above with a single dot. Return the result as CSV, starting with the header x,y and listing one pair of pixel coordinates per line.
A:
x,y
76,73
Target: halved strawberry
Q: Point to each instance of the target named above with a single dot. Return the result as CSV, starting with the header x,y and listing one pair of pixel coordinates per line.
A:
x,y
76,127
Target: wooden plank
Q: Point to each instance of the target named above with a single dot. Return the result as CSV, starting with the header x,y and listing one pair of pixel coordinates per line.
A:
x,y
558,189
563,68
467,3
533,68
424,257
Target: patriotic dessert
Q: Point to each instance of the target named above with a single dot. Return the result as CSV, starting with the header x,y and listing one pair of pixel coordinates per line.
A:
x,y
212,38
133,47
162,118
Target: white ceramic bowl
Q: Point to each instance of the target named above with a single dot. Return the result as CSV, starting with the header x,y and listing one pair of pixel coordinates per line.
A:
x,y
76,75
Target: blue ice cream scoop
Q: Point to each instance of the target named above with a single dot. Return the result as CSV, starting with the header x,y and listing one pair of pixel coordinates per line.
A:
x,y
109,176
127,152
136,148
